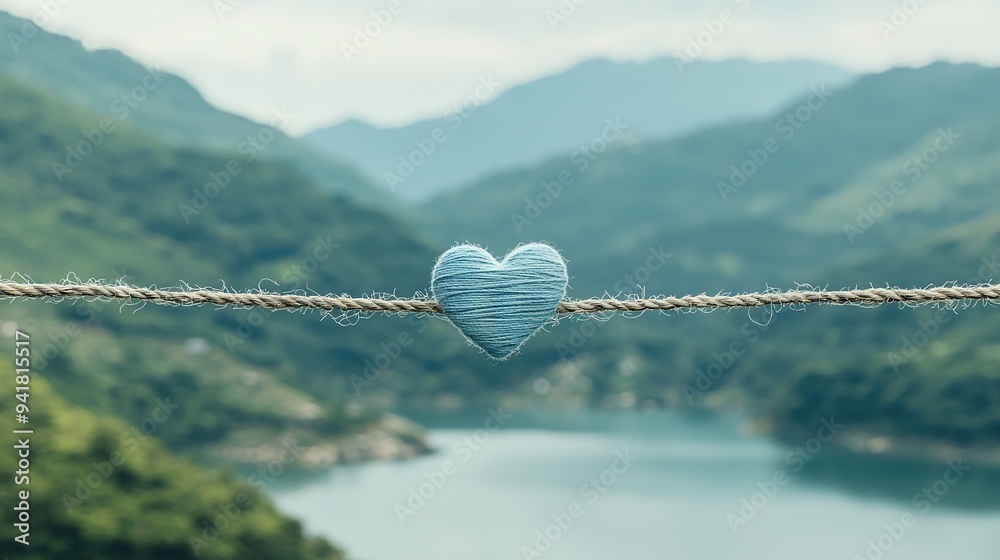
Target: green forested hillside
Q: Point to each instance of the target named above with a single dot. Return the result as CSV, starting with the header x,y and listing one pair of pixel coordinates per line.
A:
x,y
891,181
118,215
827,163
932,371
96,490
117,221
112,85
244,376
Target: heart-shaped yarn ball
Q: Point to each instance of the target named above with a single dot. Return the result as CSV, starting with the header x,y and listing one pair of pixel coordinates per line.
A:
x,y
499,305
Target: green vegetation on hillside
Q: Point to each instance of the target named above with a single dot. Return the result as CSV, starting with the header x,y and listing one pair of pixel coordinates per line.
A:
x,y
243,376
112,85
98,488
117,213
893,180
647,360
829,160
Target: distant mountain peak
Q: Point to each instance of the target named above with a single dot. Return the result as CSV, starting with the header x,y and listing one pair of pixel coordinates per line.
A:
x,y
555,114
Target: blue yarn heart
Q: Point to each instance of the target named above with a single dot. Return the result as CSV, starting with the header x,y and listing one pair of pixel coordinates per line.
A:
x,y
499,305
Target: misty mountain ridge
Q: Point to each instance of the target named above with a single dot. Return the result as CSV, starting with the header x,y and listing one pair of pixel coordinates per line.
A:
x,y
489,130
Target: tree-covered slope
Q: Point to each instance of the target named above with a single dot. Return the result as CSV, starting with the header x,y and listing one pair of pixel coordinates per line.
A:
x,y
119,214
891,181
245,375
114,86
933,371
727,233
100,488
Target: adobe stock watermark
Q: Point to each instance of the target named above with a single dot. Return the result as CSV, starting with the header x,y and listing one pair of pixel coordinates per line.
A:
x,y
900,15
913,343
723,362
922,503
928,329
293,279
452,119
768,489
231,511
365,35
48,9
389,351
584,330
564,10
59,340
129,441
225,7
786,127
713,28
251,147
913,169
121,107
590,494
580,160
461,453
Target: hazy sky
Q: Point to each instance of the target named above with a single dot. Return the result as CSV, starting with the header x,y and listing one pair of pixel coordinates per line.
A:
x,y
250,56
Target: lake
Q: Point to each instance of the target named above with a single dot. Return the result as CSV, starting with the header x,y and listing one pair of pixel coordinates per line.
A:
x,y
596,485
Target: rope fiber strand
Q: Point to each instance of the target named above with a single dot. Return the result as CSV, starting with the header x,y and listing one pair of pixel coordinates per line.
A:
x,y
868,296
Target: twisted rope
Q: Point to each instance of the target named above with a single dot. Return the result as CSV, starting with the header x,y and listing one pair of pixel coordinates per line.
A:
x,y
868,296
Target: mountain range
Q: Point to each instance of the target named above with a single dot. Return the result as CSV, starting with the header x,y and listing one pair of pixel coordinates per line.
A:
x,y
494,128
722,199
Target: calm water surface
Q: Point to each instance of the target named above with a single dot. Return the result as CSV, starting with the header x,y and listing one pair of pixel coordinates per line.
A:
x,y
555,485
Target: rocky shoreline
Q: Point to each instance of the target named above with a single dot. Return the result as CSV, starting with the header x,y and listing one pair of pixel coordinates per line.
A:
x,y
867,442
394,438
918,448
391,438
